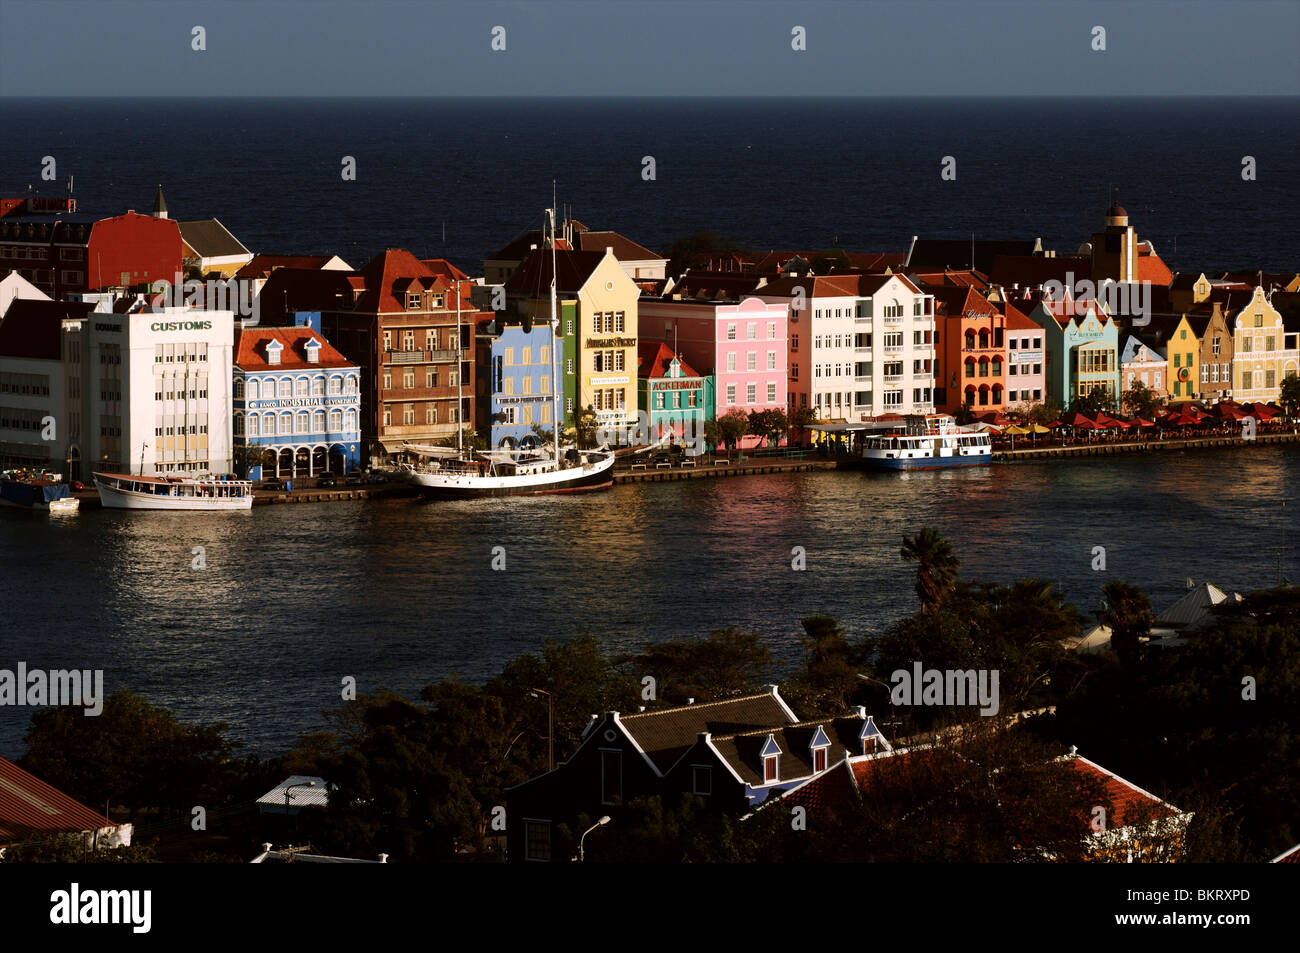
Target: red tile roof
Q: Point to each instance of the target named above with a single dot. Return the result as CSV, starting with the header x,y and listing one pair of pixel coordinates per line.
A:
x,y
251,343
1017,320
382,275
624,248
31,808
1129,803
1151,268
653,358
262,265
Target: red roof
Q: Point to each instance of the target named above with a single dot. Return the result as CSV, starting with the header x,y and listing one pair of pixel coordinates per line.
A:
x,y
31,808
653,358
1017,320
251,344
1129,803
441,266
1151,268
390,271
262,265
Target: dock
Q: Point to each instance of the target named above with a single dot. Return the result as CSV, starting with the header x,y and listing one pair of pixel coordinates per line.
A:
x,y
1141,446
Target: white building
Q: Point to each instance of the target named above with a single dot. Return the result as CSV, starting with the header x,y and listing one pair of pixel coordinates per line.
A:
x,y
861,345
157,391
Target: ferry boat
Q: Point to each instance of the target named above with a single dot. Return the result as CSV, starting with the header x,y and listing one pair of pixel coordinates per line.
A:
x,y
460,473
44,491
123,491
930,443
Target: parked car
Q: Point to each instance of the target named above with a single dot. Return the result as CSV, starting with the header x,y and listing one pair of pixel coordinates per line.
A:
x,y
78,485
354,480
274,483
326,482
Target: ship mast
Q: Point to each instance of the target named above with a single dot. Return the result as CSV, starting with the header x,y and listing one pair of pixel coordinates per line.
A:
x,y
460,367
555,328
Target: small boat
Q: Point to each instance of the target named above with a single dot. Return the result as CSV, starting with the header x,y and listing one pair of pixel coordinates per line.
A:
x,y
123,491
930,443
37,492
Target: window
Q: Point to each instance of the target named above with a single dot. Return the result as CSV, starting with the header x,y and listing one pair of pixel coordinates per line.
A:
x,y
701,779
618,360
408,380
1246,378
770,768
771,360
1269,342
431,377
618,322
819,754
771,393
771,330
751,393
611,776
408,415
731,394
413,302
388,340
751,361
537,840
794,372
1245,345
794,342
731,362
731,332
751,331
388,418
388,380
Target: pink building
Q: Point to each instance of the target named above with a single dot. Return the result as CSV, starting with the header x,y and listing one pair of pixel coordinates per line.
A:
x,y
743,346
1026,358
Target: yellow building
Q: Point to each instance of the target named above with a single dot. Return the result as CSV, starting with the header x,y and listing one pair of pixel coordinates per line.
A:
x,y
598,315
1183,351
1263,353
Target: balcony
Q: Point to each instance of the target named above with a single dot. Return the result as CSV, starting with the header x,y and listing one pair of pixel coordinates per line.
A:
x,y
893,378
864,379
405,357
893,349
894,318
442,355
864,351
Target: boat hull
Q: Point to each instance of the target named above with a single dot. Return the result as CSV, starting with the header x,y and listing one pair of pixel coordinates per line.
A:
x,y
928,463
459,486
119,499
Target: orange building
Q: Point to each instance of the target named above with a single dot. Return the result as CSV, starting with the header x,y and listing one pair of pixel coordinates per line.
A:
x,y
970,351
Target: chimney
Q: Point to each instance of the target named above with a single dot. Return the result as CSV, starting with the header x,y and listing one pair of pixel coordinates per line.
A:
x,y
640,707
862,712
266,848
383,858
1074,750
690,701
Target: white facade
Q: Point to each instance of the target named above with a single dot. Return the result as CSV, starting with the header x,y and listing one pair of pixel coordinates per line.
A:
x,y
157,391
32,392
14,285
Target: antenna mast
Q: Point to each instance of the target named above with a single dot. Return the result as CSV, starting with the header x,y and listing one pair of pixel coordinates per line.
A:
x,y
555,329
460,367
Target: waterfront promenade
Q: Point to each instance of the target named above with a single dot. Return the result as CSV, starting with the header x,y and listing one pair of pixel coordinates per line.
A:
x,y
1107,448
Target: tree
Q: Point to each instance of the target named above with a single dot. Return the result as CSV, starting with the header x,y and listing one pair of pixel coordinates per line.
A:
x,y
1140,401
965,413
804,418
585,426
1097,400
765,423
1043,413
728,429
1126,611
705,242
830,672
1290,394
726,664
469,436
132,754
936,569
778,424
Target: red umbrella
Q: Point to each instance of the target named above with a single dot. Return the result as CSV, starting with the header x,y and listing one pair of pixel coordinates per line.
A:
x,y
1139,422
1107,422
1226,411
1078,421
1259,409
1185,417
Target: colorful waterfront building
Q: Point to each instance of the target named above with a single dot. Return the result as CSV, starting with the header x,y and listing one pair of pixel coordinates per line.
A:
x,y
1026,358
1176,341
596,303
1142,364
1265,353
1082,344
673,395
514,380
741,345
970,349
297,404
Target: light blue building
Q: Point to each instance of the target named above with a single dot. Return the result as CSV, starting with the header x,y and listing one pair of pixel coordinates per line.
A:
x,y
514,381
297,399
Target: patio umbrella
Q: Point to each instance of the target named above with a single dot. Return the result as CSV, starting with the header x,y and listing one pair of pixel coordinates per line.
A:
x,y
1226,412
1185,417
1260,410
1139,422
1107,422
1078,420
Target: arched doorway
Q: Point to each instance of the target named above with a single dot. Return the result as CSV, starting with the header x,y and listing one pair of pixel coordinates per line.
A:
x,y
284,465
301,461
338,462
319,459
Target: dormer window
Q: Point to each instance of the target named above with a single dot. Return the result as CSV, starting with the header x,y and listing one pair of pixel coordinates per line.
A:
x,y
820,747
273,352
870,736
413,301
313,352
771,760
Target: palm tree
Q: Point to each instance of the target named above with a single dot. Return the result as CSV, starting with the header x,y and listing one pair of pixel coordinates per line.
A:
x,y
936,569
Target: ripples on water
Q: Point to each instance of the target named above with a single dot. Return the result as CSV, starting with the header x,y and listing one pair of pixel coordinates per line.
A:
x,y
399,594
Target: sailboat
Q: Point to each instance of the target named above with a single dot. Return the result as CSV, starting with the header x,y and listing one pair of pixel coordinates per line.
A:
x,y
461,473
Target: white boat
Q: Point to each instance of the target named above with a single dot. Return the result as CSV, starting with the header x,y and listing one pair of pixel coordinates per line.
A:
x,y
930,443
459,473
123,491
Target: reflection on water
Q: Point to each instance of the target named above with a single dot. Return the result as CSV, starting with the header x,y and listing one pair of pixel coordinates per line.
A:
x,y
294,598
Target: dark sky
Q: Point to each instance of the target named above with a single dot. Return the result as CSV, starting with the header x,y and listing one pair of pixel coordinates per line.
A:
x,y
649,48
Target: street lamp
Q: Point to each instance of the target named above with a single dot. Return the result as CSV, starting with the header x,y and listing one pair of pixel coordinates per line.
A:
x,y
550,726
290,787
600,823
893,719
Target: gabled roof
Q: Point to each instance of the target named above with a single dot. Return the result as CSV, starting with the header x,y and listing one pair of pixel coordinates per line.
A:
x,y
1130,804
667,734
251,345
296,791
31,808
1291,856
34,329
208,238
1035,270
1133,348
959,300
718,286
1195,607
261,266
441,266
1151,267
949,277
624,248
654,358
573,269
385,271
744,751
1017,320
